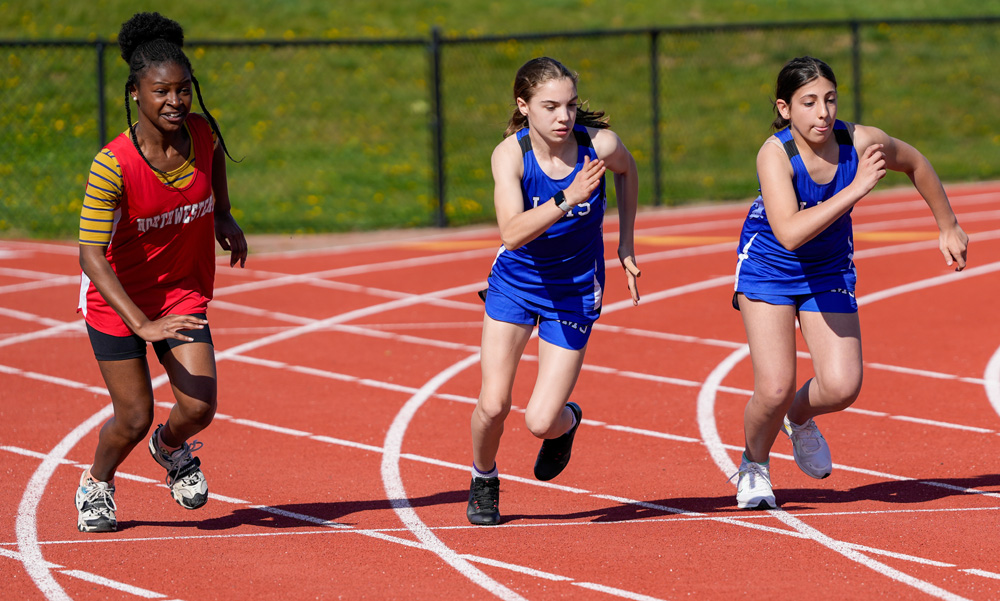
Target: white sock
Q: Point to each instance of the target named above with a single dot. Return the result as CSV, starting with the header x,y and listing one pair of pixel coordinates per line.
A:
x,y
493,473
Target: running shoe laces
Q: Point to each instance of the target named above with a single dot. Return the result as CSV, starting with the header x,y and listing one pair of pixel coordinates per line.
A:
x,y
484,502
753,489
184,476
96,504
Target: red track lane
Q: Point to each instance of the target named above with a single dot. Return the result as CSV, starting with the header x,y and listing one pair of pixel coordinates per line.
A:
x,y
339,461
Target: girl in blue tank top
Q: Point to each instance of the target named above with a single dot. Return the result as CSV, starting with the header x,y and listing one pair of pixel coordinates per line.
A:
x,y
549,194
795,261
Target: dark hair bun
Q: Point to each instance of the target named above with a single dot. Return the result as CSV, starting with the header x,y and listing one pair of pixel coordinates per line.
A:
x,y
145,27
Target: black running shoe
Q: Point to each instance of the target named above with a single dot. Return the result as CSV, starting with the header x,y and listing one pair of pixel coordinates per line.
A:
x,y
554,454
484,502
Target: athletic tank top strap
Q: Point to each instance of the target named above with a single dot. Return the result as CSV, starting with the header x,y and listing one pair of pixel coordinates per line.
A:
x,y
525,141
582,136
807,190
840,133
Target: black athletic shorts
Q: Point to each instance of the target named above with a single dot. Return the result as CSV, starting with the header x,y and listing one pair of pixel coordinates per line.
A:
x,y
120,348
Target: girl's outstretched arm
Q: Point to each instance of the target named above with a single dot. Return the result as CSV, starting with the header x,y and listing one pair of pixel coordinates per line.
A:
x,y
900,156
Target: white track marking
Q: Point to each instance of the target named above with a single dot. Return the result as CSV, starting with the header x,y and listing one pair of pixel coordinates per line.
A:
x,y
983,573
380,533
113,584
70,251
948,278
991,377
26,523
462,467
615,591
709,430
392,480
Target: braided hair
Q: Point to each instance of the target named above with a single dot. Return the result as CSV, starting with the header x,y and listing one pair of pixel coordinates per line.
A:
x,y
533,74
149,39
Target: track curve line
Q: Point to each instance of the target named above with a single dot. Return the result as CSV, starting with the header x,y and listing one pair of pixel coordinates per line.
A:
x,y
717,451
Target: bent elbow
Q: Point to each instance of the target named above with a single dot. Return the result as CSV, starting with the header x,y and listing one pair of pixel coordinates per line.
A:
x,y
789,243
511,244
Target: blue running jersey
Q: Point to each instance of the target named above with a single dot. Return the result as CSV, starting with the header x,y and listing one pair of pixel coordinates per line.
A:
x,y
563,268
824,263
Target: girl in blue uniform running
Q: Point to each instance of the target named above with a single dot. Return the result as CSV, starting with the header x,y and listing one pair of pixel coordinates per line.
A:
x,y
550,198
796,261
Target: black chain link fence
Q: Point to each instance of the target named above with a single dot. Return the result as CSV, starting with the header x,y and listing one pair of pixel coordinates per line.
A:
x,y
343,135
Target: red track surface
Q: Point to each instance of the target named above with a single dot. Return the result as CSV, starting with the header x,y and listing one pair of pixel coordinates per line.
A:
x,y
338,464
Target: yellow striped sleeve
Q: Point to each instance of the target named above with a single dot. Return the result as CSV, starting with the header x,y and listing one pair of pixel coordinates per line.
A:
x,y
104,192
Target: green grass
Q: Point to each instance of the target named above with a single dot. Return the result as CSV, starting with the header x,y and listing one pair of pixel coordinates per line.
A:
x,y
337,138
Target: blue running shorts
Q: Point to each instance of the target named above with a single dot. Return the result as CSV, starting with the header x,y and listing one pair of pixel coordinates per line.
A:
x,y
564,330
831,301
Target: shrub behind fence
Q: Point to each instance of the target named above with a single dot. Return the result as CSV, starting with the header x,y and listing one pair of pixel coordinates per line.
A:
x,y
342,135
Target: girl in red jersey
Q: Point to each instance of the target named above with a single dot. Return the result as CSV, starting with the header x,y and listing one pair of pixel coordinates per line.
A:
x,y
155,197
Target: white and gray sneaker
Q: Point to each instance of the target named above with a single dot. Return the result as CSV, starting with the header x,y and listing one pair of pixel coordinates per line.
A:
x,y
753,489
95,502
809,449
187,484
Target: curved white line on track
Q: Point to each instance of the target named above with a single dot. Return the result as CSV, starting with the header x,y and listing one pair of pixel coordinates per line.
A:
x,y
392,480
29,502
27,526
991,382
710,434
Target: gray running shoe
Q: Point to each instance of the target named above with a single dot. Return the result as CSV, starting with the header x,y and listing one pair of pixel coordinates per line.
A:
x,y
187,483
809,449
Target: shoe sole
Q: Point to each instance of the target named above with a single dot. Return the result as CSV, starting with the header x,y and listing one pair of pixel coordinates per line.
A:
x,y
200,500
82,527
479,521
761,505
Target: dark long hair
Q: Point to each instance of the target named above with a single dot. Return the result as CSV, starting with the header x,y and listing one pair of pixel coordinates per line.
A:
x,y
533,74
150,39
795,74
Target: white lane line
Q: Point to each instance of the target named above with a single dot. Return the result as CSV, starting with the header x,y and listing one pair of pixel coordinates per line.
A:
x,y
113,584
45,479
717,451
392,481
26,523
88,577
948,278
983,573
991,377
615,591
680,517
300,433
709,430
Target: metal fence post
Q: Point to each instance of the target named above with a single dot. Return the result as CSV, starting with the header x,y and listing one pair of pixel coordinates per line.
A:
x,y
654,82
856,65
102,137
437,125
